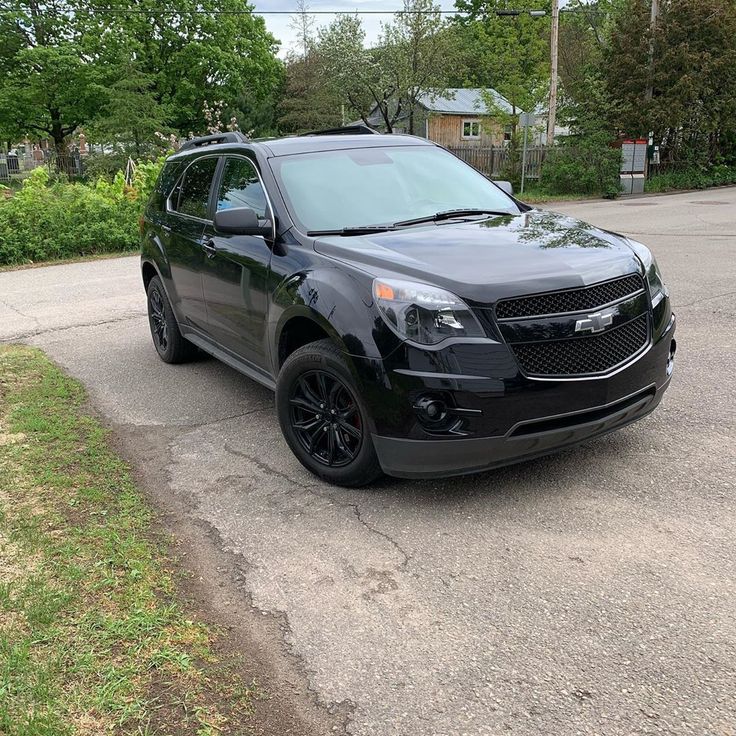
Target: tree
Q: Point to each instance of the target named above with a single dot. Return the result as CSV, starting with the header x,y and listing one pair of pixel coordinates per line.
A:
x,y
413,57
64,63
309,101
507,53
132,116
196,51
416,47
51,81
302,23
353,72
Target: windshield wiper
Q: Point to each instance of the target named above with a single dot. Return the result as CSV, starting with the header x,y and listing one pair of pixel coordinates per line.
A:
x,y
450,214
353,230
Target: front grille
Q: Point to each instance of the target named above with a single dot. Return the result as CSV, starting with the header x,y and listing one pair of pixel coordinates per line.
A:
x,y
570,300
583,355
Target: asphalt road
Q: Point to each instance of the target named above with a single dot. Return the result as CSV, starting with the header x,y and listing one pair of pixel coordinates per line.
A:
x,y
591,592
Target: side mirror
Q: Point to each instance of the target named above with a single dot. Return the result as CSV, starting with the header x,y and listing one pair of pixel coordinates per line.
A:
x,y
505,186
242,221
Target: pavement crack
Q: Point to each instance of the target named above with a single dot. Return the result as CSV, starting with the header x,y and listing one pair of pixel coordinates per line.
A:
x,y
711,298
19,312
384,535
51,330
312,490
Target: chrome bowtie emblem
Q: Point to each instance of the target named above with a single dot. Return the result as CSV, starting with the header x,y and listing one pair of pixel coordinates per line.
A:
x,y
594,322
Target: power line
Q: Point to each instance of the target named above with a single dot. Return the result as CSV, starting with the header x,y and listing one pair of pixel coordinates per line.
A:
x,y
254,11
177,11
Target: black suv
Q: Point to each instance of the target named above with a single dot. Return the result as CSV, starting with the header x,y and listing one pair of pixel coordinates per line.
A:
x,y
412,316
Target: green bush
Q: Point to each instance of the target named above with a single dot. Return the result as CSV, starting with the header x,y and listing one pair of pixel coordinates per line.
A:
x,y
585,165
692,178
48,220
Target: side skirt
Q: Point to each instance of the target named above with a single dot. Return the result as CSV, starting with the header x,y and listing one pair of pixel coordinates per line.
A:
x,y
224,355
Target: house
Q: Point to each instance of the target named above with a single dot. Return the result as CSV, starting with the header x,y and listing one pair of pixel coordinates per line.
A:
x,y
457,118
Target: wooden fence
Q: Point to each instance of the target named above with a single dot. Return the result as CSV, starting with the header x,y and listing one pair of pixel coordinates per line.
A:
x,y
491,160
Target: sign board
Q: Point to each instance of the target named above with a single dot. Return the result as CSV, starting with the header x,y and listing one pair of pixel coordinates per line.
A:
x,y
526,120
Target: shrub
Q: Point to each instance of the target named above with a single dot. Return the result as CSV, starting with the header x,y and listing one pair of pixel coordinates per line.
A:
x,y
47,219
585,165
692,178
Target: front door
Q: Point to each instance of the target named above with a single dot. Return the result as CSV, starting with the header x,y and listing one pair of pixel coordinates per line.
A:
x,y
235,275
184,224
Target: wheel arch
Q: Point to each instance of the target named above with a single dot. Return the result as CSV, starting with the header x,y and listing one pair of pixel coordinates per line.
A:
x,y
324,303
300,326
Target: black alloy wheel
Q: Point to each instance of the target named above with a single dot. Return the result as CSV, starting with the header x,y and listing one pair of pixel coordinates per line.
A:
x,y
157,316
325,418
323,415
170,344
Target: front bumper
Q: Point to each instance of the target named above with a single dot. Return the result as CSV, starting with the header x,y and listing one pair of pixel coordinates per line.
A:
x,y
521,419
406,458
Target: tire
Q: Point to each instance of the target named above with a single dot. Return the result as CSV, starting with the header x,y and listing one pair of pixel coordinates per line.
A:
x,y
167,339
315,379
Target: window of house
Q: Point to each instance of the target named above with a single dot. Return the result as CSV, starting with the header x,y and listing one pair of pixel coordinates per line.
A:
x,y
471,128
241,187
508,130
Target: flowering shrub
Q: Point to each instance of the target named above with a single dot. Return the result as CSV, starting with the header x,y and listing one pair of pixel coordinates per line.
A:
x,y
47,219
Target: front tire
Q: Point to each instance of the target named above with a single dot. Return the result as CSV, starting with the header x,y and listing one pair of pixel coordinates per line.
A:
x,y
323,417
170,345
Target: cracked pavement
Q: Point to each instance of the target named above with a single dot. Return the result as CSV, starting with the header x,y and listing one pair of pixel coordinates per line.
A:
x,y
588,592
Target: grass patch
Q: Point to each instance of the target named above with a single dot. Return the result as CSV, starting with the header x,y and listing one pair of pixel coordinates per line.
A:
x,y
92,637
539,195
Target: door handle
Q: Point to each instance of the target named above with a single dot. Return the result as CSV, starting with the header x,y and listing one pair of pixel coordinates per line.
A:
x,y
208,247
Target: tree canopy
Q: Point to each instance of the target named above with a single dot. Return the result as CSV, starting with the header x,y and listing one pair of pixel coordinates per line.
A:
x,y
69,63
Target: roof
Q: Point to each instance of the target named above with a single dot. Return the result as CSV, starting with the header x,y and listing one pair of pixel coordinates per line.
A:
x,y
312,144
305,144
458,101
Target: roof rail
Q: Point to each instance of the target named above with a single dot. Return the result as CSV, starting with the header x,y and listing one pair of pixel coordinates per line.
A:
x,y
359,129
210,140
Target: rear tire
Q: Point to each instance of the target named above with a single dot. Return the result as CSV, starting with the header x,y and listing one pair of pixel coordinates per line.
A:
x,y
170,345
323,417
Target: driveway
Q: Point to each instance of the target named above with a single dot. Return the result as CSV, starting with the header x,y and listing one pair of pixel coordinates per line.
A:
x,y
588,592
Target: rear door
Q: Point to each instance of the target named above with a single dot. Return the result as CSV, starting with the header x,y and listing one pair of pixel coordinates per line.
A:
x,y
187,209
236,271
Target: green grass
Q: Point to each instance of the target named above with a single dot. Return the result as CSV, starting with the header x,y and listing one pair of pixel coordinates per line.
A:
x,y
538,195
92,637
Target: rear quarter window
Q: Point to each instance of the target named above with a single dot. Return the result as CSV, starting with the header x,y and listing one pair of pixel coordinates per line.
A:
x,y
166,181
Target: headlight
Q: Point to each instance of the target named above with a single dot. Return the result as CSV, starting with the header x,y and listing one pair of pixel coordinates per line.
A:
x,y
651,269
422,313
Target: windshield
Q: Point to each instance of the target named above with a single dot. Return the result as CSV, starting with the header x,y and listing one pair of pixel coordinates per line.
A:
x,y
331,190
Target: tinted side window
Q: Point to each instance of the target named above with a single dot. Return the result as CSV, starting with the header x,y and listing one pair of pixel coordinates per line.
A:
x,y
241,187
194,190
164,185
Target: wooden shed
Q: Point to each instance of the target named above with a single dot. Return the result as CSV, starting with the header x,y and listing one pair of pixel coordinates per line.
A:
x,y
458,118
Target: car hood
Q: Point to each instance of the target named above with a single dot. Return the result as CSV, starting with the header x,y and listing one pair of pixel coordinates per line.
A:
x,y
496,258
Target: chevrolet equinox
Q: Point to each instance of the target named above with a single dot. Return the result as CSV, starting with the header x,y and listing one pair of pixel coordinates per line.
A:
x,y
412,316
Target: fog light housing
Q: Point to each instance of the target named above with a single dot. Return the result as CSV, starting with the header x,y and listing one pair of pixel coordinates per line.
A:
x,y
432,410
671,357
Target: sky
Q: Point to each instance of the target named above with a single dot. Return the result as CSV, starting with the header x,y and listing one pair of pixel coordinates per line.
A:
x,y
279,24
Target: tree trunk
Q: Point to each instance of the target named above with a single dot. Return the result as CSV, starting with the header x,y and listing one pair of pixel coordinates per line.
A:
x,y
58,134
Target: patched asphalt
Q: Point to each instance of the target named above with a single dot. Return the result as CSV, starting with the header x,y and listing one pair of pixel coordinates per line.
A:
x,y
591,592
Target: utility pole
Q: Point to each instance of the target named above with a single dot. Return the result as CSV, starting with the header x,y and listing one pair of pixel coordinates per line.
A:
x,y
553,76
652,28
